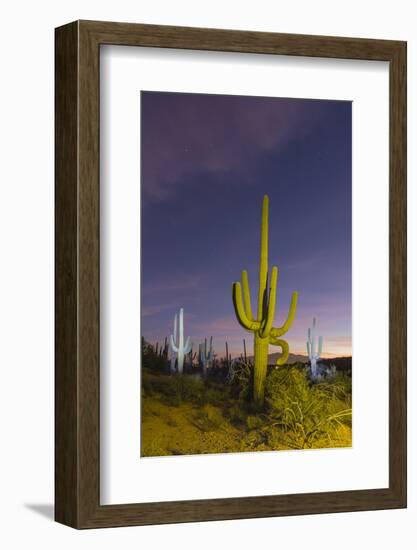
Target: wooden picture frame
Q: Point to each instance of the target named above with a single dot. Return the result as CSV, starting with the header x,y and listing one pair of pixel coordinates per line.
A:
x,y
77,373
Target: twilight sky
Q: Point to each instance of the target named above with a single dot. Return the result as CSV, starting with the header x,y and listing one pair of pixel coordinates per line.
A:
x,y
206,162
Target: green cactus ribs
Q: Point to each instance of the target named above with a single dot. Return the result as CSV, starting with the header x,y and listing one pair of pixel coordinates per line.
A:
x,y
261,326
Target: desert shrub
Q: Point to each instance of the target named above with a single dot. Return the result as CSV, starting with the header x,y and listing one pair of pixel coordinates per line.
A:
x,y
256,440
173,390
254,422
241,380
176,389
215,395
208,418
338,389
188,388
307,413
218,372
237,415
146,386
342,383
151,359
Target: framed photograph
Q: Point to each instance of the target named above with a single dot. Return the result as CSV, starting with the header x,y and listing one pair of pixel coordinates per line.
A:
x,y
230,274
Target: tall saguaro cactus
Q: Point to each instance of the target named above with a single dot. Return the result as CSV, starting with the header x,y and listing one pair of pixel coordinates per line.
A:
x,y
313,353
261,326
177,345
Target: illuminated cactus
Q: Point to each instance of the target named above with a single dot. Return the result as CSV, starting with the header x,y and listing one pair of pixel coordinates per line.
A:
x,y
313,354
177,346
206,355
264,332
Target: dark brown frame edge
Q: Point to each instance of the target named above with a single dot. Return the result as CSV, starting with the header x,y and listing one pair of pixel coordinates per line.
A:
x,y
77,274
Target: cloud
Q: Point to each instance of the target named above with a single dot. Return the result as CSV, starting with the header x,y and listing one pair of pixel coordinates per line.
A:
x,y
172,283
149,311
188,134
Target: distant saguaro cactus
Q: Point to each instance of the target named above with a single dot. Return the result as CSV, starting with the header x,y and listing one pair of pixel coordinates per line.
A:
x,y
228,355
177,345
191,357
313,354
172,352
264,332
165,349
206,355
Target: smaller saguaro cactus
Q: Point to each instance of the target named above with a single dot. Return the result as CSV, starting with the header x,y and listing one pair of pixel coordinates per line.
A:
x,y
228,355
164,351
177,344
173,357
206,355
191,357
313,352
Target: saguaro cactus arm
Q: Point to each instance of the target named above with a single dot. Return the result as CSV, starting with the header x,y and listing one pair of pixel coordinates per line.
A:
x,y
283,344
175,327
240,310
187,346
246,295
279,331
320,344
173,346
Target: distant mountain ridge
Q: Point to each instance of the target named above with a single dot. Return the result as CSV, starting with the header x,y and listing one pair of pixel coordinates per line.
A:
x,y
292,358
299,358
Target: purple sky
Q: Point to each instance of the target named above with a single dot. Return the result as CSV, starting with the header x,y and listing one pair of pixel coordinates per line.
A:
x,y
207,161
